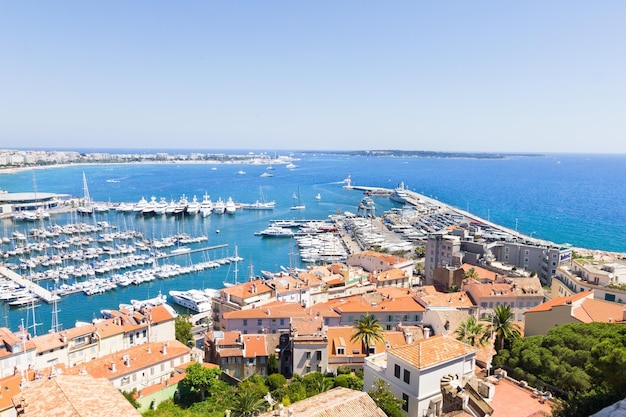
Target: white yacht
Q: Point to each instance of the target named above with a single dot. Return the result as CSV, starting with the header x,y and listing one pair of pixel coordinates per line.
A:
x,y
230,207
149,208
193,207
206,206
140,205
399,194
276,231
220,206
161,207
195,300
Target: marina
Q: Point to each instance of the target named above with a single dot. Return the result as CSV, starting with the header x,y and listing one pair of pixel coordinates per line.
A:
x,y
72,248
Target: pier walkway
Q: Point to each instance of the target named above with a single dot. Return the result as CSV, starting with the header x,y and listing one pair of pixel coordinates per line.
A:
x,y
37,290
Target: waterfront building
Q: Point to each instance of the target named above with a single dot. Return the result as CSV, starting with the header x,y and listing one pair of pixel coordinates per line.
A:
x,y
577,308
415,372
607,280
395,277
239,355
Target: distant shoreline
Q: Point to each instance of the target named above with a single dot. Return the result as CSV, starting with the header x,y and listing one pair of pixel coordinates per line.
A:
x,y
596,254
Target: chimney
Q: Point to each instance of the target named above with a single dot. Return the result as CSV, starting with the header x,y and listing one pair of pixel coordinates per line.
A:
x,y
113,369
624,315
64,337
149,351
164,349
126,360
408,336
426,332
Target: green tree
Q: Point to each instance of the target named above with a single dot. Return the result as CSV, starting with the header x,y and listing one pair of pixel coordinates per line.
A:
x,y
368,331
349,381
315,383
472,332
201,379
272,364
504,328
275,381
130,396
248,401
182,329
385,400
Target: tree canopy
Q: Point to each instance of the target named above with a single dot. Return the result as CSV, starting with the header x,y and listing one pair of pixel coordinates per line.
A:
x,y
582,359
504,328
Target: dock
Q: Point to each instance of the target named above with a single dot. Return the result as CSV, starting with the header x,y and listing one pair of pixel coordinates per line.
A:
x,y
36,289
206,248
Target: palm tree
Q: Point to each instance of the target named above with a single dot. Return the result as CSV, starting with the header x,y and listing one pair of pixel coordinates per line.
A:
x,y
368,331
471,274
472,332
505,330
247,403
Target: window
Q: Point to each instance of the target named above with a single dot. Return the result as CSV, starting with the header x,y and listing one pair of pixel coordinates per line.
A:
x,y
308,355
407,376
319,369
389,318
350,319
405,402
341,351
396,371
308,369
259,322
245,322
282,322
318,355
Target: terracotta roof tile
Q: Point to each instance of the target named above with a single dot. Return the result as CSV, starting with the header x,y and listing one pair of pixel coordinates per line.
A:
x,y
141,356
434,350
73,396
338,402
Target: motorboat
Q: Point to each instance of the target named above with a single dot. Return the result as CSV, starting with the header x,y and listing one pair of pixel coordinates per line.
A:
x,y
195,300
140,205
171,208
275,231
161,207
149,209
181,205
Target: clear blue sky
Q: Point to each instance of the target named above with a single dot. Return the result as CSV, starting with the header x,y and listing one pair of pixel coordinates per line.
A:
x,y
525,76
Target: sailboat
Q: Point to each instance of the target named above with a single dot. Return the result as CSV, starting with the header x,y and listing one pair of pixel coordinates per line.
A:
x,y
318,197
297,204
86,208
260,204
236,271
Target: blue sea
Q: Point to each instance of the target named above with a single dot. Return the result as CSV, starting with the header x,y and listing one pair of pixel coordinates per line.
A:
x,y
578,200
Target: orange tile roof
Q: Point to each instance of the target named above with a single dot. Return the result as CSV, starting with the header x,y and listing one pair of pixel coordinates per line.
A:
x,y
141,356
482,272
361,305
390,259
254,346
73,396
441,299
434,350
504,289
599,311
244,290
390,274
159,314
559,301
341,337
9,386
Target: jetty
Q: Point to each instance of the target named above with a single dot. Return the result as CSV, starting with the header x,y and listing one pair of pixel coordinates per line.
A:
x,y
34,288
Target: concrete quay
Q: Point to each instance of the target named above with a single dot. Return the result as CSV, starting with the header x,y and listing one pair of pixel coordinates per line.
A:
x,y
39,291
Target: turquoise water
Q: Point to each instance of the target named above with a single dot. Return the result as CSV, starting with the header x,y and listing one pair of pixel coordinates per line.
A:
x,y
575,199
